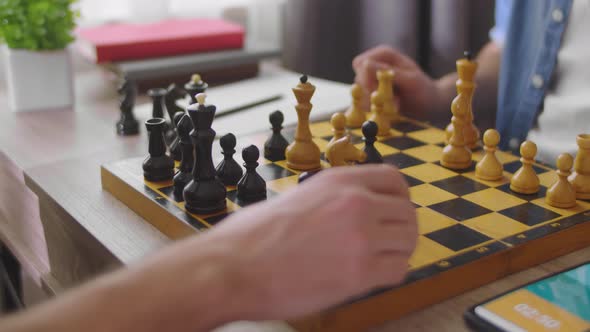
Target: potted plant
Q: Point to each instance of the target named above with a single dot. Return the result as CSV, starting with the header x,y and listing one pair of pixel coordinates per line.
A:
x,y
35,34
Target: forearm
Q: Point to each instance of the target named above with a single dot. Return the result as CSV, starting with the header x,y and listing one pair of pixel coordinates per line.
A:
x,y
485,98
174,292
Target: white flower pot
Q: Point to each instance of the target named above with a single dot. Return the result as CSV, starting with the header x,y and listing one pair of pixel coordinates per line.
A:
x,y
38,80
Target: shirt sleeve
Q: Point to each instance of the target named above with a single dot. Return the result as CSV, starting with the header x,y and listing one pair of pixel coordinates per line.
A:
x,y
502,16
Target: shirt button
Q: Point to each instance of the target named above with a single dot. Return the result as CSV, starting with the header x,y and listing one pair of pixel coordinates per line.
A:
x,y
557,15
537,81
513,143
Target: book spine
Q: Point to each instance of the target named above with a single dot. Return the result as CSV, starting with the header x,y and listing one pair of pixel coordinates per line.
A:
x,y
172,47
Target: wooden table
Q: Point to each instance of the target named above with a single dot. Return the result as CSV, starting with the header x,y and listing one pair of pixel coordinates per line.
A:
x,y
77,231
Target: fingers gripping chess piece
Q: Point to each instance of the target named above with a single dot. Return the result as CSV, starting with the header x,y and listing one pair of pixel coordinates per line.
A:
x,y
343,153
356,115
580,179
525,180
303,154
562,194
157,166
489,167
378,115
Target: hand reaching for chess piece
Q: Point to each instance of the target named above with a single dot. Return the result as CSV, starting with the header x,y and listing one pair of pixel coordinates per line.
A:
x,y
256,264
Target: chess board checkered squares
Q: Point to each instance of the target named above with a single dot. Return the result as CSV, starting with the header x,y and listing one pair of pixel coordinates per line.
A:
x,y
406,125
444,233
430,135
392,133
428,172
428,252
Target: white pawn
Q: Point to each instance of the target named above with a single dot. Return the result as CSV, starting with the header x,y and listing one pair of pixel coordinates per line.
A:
x,y
338,122
489,167
525,180
562,193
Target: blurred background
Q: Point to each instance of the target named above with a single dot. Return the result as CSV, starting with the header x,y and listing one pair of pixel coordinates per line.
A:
x,y
321,37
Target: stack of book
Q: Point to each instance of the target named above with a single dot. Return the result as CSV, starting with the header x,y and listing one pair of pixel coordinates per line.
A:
x,y
164,50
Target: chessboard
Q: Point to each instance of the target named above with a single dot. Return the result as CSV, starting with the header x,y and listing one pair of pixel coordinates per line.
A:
x,y
472,231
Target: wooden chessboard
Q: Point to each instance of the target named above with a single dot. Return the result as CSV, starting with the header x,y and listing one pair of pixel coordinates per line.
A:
x,y
472,232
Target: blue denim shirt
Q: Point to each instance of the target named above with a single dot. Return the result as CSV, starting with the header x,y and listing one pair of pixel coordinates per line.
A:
x,y
530,31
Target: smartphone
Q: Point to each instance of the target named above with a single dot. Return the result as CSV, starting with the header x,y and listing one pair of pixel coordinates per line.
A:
x,y
560,302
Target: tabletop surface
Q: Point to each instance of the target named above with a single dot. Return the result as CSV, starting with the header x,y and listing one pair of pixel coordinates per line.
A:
x,y
60,153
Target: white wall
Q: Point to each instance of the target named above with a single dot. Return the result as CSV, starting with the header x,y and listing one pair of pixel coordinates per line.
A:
x,y
264,19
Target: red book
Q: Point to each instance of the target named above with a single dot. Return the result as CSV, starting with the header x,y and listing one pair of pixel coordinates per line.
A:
x,y
119,42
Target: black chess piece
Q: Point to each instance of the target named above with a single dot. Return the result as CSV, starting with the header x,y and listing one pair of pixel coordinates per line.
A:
x,y
251,187
275,146
184,126
206,193
173,94
157,166
370,130
195,86
127,124
158,105
228,170
307,175
468,55
175,148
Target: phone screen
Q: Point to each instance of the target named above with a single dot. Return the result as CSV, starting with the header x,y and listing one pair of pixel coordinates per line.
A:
x,y
558,303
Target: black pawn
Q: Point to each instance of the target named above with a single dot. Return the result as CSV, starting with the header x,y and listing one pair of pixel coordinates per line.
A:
x,y
205,194
157,166
275,146
175,148
184,127
252,187
127,124
228,170
370,130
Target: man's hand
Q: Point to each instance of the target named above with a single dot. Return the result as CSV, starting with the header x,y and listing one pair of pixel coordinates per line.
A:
x,y
340,234
417,93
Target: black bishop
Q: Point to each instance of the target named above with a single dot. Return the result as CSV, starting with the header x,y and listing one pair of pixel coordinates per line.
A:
x,y
184,126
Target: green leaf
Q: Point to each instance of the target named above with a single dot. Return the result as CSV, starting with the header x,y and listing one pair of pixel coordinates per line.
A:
x,y
37,24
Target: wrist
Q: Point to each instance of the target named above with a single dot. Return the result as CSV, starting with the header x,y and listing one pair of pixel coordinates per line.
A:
x,y
188,290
